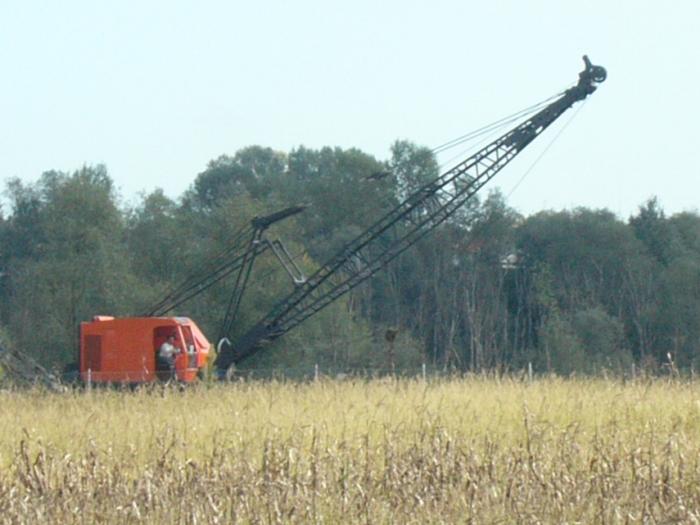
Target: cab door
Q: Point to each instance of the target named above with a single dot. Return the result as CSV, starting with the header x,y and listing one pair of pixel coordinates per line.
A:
x,y
186,361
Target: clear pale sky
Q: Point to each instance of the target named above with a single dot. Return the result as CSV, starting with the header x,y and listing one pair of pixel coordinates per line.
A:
x,y
156,89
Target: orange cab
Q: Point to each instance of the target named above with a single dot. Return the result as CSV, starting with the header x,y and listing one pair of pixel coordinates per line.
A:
x,y
124,350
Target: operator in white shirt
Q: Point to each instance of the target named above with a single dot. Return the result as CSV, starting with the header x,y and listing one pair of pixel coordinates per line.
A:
x,y
166,356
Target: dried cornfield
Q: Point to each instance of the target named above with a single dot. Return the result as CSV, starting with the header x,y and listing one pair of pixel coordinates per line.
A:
x,y
393,451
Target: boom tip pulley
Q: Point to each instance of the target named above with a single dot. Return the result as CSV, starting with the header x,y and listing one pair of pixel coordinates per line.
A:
x,y
588,80
593,73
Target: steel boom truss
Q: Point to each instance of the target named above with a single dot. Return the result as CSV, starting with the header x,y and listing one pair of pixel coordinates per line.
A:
x,y
402,227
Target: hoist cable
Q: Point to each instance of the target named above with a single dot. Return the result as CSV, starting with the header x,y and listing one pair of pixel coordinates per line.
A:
x,y
496,124
546,149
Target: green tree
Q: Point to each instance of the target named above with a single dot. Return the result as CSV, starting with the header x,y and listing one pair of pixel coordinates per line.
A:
x,y
602,338
686,234
75,266
254,170
563,351
342,195
677,321
156,239
653,229
412,166
23,236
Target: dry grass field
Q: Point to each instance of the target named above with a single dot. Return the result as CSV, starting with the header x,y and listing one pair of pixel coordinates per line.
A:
x,y
387,451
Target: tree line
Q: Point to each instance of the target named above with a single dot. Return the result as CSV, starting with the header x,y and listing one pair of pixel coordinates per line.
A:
x,y
568,291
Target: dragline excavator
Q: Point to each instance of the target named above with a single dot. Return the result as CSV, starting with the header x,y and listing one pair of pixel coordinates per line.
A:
x,y
124,349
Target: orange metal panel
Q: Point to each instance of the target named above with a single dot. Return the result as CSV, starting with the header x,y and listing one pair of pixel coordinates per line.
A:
x,y
129,345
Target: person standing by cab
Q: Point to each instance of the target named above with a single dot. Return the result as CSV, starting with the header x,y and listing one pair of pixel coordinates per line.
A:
x,y
166,358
